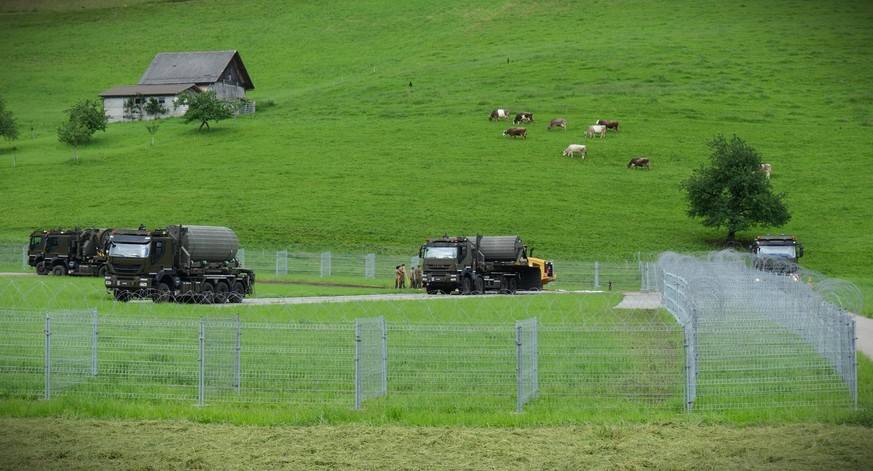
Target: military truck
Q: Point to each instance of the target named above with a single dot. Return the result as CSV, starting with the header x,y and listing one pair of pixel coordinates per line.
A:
x,y
69,252
470,265
777,253
179,263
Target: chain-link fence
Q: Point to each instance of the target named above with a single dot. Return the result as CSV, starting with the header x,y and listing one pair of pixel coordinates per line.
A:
x,y
487,367
759,339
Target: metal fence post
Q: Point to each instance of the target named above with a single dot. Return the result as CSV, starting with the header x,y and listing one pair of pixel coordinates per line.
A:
x,y
47,394
325,264
201,383
535,350
596,275
94,343
519,394
384,357
690,365
24,257
358,379
237,376
853,364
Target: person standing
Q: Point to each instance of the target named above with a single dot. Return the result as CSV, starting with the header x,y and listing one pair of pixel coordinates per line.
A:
x,y
402,275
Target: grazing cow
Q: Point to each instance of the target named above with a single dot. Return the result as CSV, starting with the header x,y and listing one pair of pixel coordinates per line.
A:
x,y
766,169
574,149
639,162
499,114
523,117
596,130
516,132
609,124
558,123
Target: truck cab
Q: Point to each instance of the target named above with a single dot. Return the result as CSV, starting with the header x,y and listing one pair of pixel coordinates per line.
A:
x,y
777,253
49,251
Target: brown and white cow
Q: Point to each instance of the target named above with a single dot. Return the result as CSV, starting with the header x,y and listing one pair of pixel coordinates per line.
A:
x,y
766,169
609,124
639,162
558,123
575,149
498,114
523,117
516,132
596,130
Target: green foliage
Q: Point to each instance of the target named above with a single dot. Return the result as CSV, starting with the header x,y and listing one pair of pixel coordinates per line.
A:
x,y
155,108
133,107
74,133
204,107
152,128
350,160
8,126
90,114
732,192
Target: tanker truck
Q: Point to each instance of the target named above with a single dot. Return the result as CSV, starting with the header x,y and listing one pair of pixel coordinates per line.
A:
x,y
69,252
179,263
482,263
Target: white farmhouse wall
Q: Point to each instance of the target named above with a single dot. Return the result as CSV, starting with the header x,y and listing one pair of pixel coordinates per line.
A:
x,y
114,108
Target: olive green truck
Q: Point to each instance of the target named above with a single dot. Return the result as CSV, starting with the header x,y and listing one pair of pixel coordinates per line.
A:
x,y
180,263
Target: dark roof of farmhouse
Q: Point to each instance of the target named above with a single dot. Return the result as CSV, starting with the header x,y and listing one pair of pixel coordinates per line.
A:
x,y
153,90
193,67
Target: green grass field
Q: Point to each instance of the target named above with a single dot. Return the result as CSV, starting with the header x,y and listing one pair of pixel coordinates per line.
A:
x,y
351,158
344,155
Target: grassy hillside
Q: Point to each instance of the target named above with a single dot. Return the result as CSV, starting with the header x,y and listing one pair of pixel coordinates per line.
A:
x,y
350,157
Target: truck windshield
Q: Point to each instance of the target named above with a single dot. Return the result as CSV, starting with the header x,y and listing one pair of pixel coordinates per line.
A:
x,y
441,252
35,241
129,250
777,251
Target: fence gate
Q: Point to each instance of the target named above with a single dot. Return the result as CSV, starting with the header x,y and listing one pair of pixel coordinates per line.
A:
x,y
526,356
220,347
70,350
371,359
282,262
325,264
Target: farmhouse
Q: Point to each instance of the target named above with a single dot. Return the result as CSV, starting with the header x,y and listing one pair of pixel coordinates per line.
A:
x,y
173,73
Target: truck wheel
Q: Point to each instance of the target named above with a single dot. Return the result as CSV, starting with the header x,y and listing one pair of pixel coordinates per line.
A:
x,y
479,285
121,295
162,295
41,269
221,292
101,272
59,270
206,295
237,293
466,285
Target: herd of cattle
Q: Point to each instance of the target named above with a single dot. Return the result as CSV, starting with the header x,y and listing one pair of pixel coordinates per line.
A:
x,y
598,129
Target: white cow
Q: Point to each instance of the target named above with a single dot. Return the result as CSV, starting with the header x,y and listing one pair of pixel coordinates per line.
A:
x,y
596,130
766,169
499,114
574,149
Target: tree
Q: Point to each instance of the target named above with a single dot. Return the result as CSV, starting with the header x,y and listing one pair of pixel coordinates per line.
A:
x,y
152,128
732,192
84,119
74,133
154,108
8,126
204,107
90,114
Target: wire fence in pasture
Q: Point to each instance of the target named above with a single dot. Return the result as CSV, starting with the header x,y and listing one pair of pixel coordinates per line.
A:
x,y
760,339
